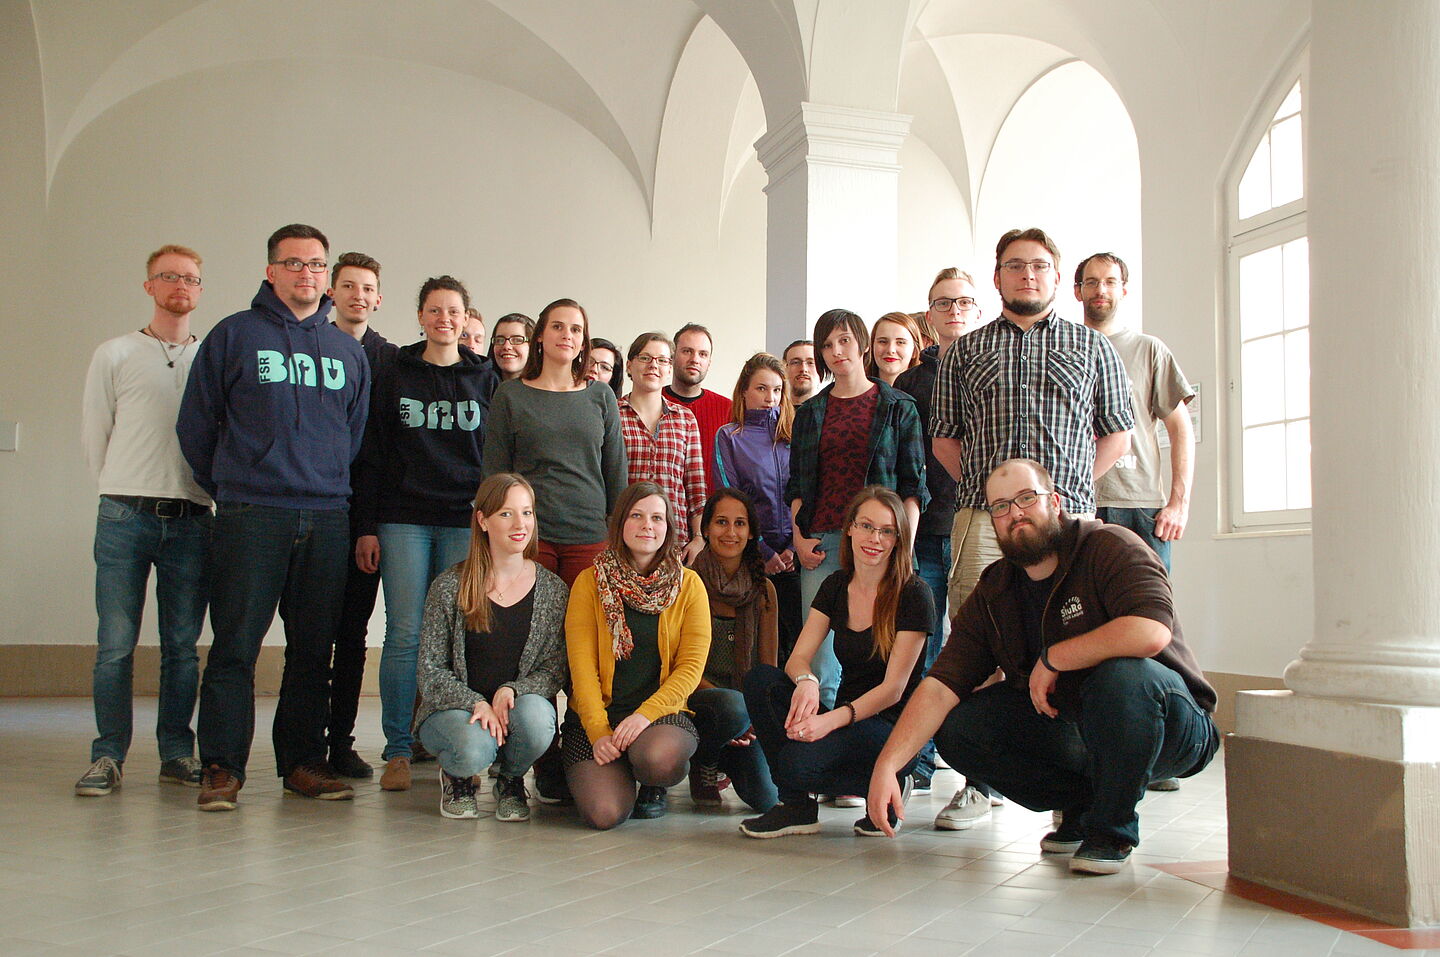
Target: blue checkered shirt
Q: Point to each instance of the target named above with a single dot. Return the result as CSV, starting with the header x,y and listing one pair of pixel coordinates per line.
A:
x,y
1042,394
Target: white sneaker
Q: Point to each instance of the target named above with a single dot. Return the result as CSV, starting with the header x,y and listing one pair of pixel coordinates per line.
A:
x,y
849,800
966,809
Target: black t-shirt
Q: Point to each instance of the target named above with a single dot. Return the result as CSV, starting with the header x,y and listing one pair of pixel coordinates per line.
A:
x,y
861,669
493,657
637,677
1033,596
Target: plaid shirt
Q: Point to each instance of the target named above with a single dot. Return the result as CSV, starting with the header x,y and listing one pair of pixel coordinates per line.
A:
x,y
896,453
1041,394
670,457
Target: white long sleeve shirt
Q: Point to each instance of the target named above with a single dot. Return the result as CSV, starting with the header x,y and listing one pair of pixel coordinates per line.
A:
x,y
127,424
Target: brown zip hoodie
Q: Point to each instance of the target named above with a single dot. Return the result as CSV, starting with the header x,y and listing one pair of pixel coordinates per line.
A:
x,y
1105,572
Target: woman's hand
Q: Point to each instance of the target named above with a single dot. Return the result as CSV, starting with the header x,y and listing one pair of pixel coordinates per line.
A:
x,y
628,730
501,704
605,750
744,741
804,702
367,553
483,715
817,726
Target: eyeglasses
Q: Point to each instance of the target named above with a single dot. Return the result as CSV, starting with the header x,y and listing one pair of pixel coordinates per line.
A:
x,y
1017,266
963,304
602,366
296,265
888,533
797,363
1093,284
511,340
1022,501
176,277
649,360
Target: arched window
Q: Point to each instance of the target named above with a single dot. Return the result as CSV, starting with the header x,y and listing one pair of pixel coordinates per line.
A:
x,y
1268,321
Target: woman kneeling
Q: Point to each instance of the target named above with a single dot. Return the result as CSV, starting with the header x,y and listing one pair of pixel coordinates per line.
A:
x,y
492,654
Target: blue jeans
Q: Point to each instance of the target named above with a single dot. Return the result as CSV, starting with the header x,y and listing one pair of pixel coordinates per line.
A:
x,y
411,556
1141,521
839,763
1137,723
127,543
932,555
720,717
465,749
266,557
824,664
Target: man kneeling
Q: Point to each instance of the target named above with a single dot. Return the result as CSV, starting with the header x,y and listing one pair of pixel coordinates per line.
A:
x,y
1101,694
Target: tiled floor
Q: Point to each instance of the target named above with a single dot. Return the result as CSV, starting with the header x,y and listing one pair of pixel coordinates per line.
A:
x,y
141,872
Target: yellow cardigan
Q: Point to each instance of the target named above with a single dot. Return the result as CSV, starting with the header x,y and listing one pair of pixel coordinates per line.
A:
x,y
684,644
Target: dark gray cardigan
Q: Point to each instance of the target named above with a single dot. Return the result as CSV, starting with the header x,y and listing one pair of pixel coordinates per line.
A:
x,y
442,675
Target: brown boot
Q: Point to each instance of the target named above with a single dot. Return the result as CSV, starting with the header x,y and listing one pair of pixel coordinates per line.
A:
x,y
396,776
317,780
219,790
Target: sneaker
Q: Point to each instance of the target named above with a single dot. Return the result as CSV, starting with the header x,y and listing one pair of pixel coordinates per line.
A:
x,y
319,781
219,790
512,802
783,820
186,772
396,776
493,771
922,786
866,827
103,777
966,809
650,803
997,799
1165,784
1100,857
1063,840
550,784
849,800
705,785
457,797
348,763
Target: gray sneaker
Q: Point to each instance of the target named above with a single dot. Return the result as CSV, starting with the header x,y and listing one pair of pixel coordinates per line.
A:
x,y
457,797
511,802
183,771
966,809
103,777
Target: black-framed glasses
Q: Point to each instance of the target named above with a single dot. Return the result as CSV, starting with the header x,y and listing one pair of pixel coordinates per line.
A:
x,y
1015,267
511,340
648,360
176,277
1022,501
296,265
963,304
887,533
599,366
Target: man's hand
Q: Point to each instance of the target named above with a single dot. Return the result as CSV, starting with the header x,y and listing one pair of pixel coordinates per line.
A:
x,y
1042,684
1170,522
809,551
884,795
693,549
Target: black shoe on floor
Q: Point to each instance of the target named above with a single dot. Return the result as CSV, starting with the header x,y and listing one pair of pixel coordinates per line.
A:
x,y
1100,857
348,764
650,803
783,820
550,784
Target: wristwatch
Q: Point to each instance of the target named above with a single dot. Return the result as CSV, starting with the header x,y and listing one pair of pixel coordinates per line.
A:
x,y
807,677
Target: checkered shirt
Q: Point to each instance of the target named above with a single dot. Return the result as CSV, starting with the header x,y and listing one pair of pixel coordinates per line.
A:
x,y
670,457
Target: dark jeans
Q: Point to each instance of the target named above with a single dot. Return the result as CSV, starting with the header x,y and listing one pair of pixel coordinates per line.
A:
x,y
720,717
349,667
264,557
1137,723
932,557
839,763
128,542
1141,521
792,616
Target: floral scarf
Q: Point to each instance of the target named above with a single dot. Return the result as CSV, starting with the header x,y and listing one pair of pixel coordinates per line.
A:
x,y
619,584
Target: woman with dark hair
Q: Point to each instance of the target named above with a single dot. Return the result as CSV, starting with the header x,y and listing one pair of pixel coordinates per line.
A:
x,y
638,633
880,612
752,453
743,633
854,432
492,655
414,479
606,365
510,344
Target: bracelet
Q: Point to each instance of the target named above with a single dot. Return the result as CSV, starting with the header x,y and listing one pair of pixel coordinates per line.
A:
x,y
852,712
807,677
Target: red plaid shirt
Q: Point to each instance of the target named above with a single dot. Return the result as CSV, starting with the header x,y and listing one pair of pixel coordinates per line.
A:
x,y
670,457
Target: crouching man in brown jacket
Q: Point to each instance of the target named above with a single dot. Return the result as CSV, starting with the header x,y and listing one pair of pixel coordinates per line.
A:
x,y
1101,694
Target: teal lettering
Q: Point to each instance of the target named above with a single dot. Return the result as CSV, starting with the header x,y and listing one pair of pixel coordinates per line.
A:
x,y
412,413
271,366
334,372
467,415
302,369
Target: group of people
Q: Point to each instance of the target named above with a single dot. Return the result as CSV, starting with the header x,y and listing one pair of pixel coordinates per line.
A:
x,y
745,591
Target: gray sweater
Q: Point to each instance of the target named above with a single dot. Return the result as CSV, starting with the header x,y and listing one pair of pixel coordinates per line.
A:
x,y
443,677
568,445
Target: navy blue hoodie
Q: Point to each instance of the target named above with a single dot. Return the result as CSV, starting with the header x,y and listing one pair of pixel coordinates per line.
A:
x,y
420,464
274,409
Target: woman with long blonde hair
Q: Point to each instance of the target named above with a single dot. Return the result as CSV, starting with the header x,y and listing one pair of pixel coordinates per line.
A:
x,y
492,655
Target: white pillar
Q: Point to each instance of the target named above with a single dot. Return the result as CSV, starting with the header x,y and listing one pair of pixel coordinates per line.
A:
x,y
833,224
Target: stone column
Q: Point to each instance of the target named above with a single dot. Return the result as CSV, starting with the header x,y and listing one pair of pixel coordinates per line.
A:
x,y
1335,785
833,220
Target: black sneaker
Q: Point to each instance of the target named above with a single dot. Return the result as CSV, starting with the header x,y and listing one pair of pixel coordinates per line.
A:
x,y
783,820
103,777
1165,784
550,784
650,803
1066,838
1100,857
186,772
348,764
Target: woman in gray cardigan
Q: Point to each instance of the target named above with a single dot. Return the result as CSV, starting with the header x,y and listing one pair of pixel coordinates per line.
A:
x,y
492,655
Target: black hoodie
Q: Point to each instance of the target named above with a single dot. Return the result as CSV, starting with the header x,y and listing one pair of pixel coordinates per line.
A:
x,y
420,464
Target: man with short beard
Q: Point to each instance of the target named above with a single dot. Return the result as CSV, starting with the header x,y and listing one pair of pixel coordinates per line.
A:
x,y
693,348
1101,694
800,370
1028,385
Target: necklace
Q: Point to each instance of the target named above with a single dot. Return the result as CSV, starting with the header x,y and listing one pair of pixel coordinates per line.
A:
x,y
499,592
166,346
